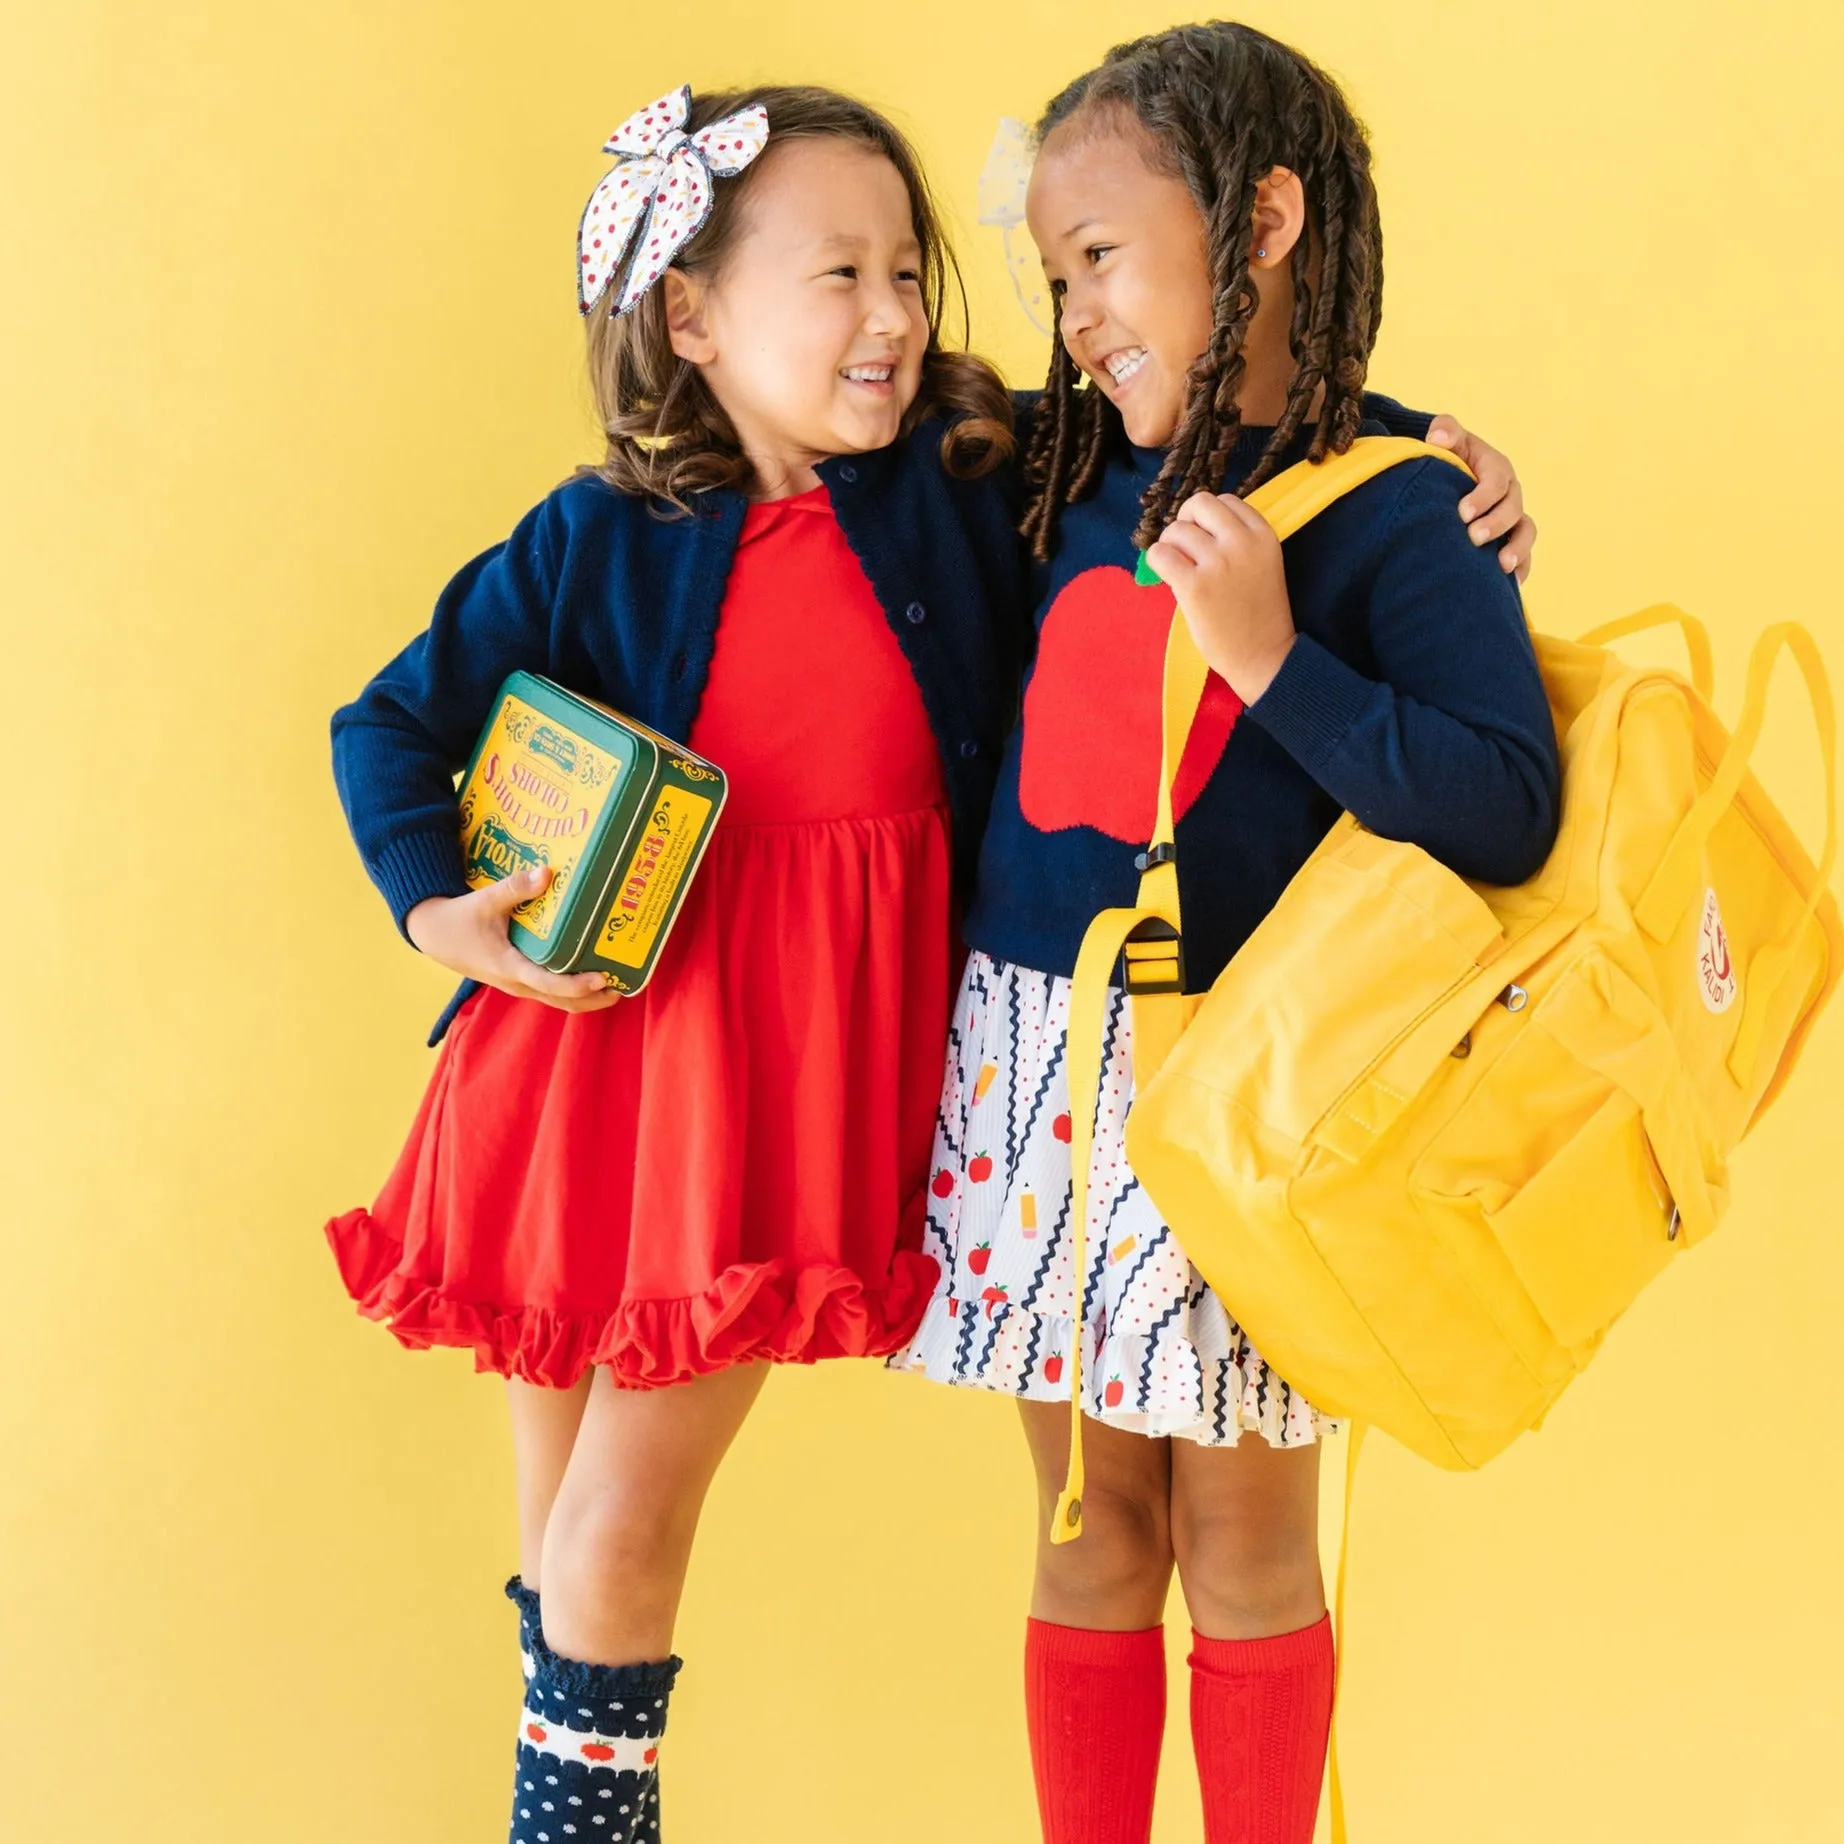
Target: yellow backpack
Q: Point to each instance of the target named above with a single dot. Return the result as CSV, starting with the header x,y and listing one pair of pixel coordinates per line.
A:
x,y
1428,1139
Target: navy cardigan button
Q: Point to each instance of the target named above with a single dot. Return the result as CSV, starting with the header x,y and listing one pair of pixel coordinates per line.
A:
x,y
917,614
848,474
970,749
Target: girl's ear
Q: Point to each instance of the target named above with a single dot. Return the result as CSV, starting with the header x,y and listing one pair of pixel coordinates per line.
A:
x,y
1280,218
686,318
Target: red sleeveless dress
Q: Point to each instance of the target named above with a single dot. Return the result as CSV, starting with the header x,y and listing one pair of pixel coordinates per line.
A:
x,y
730,1166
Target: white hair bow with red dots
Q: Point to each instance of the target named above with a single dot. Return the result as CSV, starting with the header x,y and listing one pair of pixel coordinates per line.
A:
x,y
659,194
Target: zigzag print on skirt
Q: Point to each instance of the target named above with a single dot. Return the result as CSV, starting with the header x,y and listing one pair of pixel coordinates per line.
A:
x,y
1162,1356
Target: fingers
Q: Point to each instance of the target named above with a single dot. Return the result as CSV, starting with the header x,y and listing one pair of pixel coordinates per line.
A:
x,y
1515,557
513,892
600,1002
1505,516
1176,567
513,969
1446,432
1496,490
1207,526
1222,515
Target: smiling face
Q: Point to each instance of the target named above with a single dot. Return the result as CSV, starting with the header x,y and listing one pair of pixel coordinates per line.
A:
x,y
812,334
1123,248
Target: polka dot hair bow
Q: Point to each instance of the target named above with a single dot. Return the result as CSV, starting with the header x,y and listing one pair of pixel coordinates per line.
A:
x,y
658,195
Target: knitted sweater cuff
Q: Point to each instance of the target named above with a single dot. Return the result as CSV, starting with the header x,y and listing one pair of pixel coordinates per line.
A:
x,y
416,867
1311,705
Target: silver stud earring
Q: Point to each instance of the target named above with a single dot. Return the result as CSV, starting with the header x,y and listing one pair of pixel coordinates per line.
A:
x,y
1260,253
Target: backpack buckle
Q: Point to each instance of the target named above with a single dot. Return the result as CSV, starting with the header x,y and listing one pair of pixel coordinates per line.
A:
x,y
1155,854
1152,962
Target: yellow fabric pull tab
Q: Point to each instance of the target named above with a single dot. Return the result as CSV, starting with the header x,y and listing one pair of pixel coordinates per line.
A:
x,y
1336,1785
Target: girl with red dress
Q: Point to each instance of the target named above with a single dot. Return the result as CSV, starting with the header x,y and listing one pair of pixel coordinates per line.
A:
x,y
798,557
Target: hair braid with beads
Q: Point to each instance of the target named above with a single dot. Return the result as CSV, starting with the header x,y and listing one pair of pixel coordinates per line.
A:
x,y
1222,106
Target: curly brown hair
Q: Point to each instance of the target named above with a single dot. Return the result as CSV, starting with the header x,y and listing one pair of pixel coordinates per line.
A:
x,y
668,436
1222,105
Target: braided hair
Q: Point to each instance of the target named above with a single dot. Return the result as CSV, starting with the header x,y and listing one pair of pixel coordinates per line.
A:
x,y
1222,106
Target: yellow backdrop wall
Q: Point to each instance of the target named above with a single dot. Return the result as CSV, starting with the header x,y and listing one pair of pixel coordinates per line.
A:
x,y
287,332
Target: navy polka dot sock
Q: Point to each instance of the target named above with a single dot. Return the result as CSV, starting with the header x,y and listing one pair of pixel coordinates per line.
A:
x,y
589,1737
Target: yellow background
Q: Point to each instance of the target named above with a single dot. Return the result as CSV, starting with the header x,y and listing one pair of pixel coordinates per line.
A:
x,y
287,333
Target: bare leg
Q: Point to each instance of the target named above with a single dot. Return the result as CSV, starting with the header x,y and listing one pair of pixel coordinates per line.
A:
x,y
1116,1575
619,1535
1245,1530
1094,1656
544,1425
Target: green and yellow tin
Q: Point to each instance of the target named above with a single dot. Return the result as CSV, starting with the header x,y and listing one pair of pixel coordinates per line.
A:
x,y
620,814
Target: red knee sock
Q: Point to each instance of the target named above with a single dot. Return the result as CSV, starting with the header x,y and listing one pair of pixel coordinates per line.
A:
x,y
1260,1713
1096,1707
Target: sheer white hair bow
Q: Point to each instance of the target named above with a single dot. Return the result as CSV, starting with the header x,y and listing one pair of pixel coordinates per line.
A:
x,y
658,194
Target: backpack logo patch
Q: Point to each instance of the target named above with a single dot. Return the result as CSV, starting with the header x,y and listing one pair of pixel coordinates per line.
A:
x,y
1715,971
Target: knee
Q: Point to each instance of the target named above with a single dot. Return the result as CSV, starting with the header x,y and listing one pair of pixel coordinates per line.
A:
x,y
602,1546
1116,1574
1248,1571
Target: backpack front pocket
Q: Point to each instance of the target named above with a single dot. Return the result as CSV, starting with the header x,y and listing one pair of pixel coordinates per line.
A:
x,y
1391,932
1551,1179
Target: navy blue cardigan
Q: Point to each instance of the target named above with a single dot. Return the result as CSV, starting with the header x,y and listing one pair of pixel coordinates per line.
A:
x,y
601,592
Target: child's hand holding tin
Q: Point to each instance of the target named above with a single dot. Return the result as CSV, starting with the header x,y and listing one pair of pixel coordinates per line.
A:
x,y
469,934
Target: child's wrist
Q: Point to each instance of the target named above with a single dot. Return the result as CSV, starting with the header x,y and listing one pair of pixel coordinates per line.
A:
x,y
1253,676
419,921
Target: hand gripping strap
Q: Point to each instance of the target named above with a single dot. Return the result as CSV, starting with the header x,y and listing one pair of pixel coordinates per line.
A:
x,y
1288,501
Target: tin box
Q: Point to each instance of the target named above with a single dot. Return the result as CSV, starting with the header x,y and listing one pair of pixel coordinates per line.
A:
x,y
620,814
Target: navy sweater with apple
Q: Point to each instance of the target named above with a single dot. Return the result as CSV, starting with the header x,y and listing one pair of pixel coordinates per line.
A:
x,y
1411,698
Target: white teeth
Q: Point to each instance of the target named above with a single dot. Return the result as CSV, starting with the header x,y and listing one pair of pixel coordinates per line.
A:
x,y
869,374
1123,365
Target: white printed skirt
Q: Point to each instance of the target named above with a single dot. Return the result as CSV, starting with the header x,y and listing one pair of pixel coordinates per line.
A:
x,y
1161,1355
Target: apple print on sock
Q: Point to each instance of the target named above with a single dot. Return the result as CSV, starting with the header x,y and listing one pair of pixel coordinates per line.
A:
x,y
598,1751
1091,739
650,1756
537,1734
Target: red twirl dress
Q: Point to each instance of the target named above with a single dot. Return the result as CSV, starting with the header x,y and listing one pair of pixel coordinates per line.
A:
x,y
732,1165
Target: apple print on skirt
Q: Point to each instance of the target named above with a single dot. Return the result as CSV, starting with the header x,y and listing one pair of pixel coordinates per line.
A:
x,y
1163,1356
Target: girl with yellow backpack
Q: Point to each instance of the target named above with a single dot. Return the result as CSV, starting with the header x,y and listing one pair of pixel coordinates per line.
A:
x,y
1205,191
